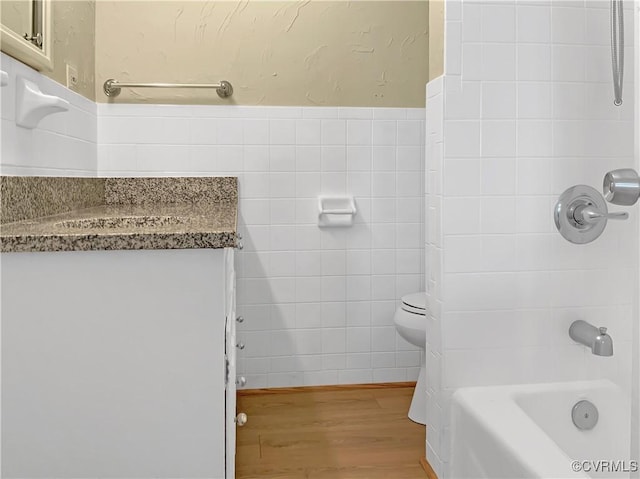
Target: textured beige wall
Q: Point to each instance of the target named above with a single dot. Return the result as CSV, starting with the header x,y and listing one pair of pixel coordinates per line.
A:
x,y
436,38
362,53
74,43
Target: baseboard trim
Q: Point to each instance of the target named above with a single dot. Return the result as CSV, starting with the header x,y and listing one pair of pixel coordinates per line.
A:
x,y
431,474
337,387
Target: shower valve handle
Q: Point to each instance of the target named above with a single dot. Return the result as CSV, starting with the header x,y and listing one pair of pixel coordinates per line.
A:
x,y
621,187
589,214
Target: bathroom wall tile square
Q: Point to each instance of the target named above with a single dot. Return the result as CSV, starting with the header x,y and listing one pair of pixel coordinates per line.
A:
x,y
307,237
498,61
308,132
358,262
408,261
498,100
308,315
282,132
568,63
383,359
498,23
307,185
568,25
389,375
282,158
359,132
384,158
409,210
333,314
534,176
409,184
334,132
334,361
256,158
282,264
462,139
499,176
383,261
534,62
463,177
333,262
534,23
464,254
410,132
230,132
254,185
230,158
308,263
358,340
256,131
498,138
358,360
333,288
359,158
498,215
454,210
384,132
383,184
283,185
333,183
383,287
384,339
283,237
333,158
409,158
535,138
333,340
308,158
534,100
282,290
358,288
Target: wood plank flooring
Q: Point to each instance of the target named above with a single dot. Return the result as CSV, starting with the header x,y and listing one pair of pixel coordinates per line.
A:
x,y
329,433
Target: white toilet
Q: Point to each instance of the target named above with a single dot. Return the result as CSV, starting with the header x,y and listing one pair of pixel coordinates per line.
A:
x,y
410,321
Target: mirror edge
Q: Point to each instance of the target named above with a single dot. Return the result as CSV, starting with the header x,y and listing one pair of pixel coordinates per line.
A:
x,y
14,45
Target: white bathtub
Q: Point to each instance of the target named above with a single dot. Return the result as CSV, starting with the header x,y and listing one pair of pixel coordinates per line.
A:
x,y
526,431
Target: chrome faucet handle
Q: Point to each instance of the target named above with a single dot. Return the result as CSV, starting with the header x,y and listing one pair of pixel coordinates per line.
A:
x,y
621,187
581,214
590,214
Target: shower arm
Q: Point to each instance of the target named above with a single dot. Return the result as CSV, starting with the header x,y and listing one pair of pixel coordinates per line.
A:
x,y
617,49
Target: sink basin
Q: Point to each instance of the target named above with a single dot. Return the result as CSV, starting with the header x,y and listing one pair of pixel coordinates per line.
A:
x,y
127,222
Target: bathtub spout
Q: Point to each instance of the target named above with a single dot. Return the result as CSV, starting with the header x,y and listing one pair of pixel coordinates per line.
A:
x,y
597,339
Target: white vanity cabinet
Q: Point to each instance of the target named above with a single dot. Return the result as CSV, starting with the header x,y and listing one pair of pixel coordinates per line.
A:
x,y
114,364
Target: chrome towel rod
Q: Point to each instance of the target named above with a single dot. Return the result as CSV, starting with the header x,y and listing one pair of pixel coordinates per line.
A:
x,y
112,87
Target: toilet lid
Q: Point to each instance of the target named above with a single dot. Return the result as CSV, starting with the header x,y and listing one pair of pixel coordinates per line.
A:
x,y
415,303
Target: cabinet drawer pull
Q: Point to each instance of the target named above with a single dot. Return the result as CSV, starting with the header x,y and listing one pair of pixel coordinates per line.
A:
x,y
241,419
241,381
240,345
240,319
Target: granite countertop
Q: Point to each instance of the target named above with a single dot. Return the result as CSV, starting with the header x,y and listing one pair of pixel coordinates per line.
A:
x,y
130,217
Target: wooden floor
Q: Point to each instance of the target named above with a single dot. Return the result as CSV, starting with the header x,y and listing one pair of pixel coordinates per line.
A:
x,y
344,433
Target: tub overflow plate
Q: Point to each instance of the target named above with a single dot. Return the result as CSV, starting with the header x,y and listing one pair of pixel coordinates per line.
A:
x,y
584,415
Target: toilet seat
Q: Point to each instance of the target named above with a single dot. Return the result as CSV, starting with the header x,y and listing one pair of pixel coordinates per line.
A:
x,y
415,303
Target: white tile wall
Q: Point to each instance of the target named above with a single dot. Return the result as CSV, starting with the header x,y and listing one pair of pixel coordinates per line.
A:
x,y
524,111
63,144
318,303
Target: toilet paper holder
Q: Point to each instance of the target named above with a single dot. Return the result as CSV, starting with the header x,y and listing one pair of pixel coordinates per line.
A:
x,y
336,211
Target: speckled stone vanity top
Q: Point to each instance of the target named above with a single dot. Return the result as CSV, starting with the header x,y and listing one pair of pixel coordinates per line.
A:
x,y
80,214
